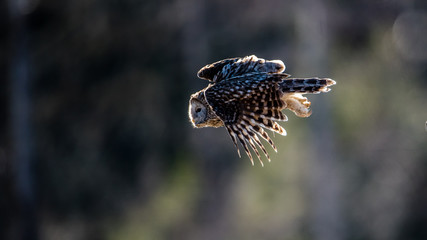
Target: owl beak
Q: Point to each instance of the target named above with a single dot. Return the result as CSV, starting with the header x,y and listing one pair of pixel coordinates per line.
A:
x,y
194,123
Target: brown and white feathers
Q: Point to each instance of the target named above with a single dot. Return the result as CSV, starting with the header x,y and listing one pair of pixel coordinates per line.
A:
x,y
247,95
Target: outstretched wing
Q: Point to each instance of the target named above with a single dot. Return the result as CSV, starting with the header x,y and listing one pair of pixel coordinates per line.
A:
x,y
233,67
247,104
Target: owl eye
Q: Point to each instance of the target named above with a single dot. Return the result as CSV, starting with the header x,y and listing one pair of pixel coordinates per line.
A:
x,y
198,110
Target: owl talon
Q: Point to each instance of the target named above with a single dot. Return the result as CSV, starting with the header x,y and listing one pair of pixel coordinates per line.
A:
x,y
298,104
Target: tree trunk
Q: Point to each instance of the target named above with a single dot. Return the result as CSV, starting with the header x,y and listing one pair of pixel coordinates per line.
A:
x,y
20,120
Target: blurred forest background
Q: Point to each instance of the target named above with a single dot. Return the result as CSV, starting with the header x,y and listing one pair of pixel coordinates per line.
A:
x,y
95,141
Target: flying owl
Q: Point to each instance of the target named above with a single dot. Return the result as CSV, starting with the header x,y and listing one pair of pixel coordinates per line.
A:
x,y
246,95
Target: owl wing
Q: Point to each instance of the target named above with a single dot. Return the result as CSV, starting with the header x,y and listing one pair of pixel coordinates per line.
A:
x,y
233,67
247,104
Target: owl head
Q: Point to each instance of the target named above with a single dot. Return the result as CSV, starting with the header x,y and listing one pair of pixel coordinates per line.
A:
x,y
200,113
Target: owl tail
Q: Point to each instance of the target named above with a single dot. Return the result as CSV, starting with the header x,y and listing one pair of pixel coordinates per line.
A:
x,y
306,85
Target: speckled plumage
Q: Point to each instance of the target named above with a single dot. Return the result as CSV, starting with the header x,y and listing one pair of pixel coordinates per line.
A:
x,y
248,94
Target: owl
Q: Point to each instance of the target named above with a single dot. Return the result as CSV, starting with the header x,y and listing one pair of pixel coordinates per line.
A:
x,y
247,95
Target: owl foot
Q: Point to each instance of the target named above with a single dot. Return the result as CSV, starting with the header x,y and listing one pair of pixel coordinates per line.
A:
x,y
298,104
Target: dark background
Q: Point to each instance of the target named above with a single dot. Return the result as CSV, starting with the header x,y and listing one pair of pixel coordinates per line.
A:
x,y
95,141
